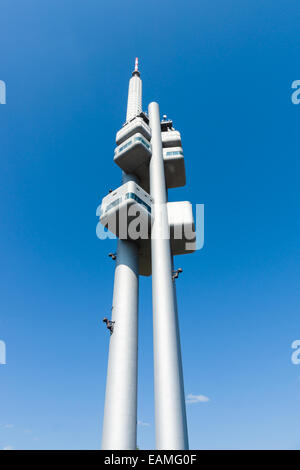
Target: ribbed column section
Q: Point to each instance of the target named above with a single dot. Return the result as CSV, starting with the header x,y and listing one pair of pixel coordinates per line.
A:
x,y
134,103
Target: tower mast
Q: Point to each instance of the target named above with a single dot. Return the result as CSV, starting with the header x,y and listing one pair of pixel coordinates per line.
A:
x,y
150,155
120,411
170,414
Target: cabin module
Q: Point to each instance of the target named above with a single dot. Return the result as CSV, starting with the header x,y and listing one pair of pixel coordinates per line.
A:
x,y
126,212
139,124
170,138
182,235
134,151
174,167
172,155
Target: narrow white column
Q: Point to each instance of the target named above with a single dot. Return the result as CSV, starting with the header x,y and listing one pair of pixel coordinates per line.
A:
x,y
170,415
120,412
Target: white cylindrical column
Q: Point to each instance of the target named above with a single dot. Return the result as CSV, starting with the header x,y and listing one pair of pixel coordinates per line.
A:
x,y
120,412
134,103
170,415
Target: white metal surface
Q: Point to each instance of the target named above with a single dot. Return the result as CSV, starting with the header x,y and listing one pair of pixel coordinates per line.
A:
x,y
170,417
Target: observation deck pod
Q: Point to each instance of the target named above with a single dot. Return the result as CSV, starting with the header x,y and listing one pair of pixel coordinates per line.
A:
x,y
136,125
126,212
133,155
171,138
174,167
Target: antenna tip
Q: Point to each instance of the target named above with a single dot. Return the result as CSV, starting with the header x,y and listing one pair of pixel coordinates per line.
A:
x,y
136,67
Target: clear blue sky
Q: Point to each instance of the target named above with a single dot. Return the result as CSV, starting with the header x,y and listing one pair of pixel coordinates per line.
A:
x,y
223,71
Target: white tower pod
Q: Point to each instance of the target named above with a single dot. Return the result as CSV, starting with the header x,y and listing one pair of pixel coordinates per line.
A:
x,y
126,212
182,227
171,138
174,167
136,125
133,154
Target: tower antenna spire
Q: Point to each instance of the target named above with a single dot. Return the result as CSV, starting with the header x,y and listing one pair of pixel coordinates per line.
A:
x,y
136,67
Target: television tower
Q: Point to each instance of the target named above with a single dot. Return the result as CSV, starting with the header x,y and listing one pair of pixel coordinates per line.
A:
x,y
149,152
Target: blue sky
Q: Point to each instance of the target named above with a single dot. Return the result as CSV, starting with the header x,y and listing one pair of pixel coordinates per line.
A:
x,y
223,71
